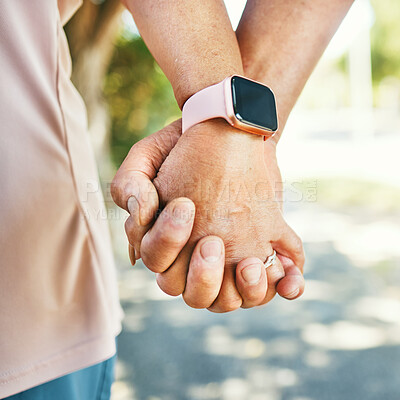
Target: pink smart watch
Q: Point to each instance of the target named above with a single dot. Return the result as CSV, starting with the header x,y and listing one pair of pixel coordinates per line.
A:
x,y
246,104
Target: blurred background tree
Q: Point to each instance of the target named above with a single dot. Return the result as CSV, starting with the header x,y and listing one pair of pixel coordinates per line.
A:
x,y
140,98
91,34
126,93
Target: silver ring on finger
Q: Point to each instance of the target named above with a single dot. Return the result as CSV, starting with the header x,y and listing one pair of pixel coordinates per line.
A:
x,y
271,260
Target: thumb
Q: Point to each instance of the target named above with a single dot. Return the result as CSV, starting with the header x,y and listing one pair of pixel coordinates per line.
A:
x,y
134,177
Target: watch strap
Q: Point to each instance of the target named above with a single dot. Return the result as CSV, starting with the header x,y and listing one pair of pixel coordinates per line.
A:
x,y
206,104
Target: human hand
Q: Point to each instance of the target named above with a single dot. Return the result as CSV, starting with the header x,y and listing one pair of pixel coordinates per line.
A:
x,y
164,241
223,171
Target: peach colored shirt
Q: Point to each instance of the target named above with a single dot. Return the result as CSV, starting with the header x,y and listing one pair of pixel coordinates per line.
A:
x,y
59,307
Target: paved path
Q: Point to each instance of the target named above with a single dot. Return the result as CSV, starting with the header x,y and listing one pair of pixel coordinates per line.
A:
x,y
340,341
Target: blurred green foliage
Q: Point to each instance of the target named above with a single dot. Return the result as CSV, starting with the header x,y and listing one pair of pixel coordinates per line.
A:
x,y
139,96
385,40
141,100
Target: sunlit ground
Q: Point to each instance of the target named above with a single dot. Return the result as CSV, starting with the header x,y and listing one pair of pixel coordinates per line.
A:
x,y
339,341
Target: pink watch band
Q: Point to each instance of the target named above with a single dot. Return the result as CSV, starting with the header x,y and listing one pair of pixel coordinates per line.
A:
x,y
216,101
206,104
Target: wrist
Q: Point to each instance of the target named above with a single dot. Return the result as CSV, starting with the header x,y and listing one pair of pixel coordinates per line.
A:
x,y
186,85
216,135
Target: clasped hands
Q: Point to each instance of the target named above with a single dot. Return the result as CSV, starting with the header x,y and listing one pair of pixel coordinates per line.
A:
x,y
205,213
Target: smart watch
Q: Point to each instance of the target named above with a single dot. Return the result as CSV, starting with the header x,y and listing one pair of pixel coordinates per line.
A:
x,y
246,104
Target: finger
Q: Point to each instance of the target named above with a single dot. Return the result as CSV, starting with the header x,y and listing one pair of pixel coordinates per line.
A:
x,y
134,191
141,166
292,285
167,237
229,298
143,201
132,188
251,281
206,271
274,274
290,246
134,228
173,280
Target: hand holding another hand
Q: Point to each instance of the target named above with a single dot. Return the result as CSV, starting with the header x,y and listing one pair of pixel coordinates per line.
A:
x,y
224,172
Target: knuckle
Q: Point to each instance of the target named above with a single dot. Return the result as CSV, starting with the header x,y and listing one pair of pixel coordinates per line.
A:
x,y
170,287
151,263
115,190
137,146
275,274
253,297
167,237
193,302
154,253
246,305
205,278
227,304
297,245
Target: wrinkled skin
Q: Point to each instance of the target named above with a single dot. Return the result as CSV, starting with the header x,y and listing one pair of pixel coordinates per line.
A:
x,y
224,173
175,164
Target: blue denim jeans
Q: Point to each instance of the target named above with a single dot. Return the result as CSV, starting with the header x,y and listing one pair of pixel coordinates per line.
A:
x,y
92,383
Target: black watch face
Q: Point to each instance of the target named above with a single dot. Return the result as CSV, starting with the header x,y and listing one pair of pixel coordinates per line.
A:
x,y
254,104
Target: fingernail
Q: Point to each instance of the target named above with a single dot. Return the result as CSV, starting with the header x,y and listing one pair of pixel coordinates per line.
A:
x,y
142,214
182,213
293,294
211,251
132,254
252,273
134,208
